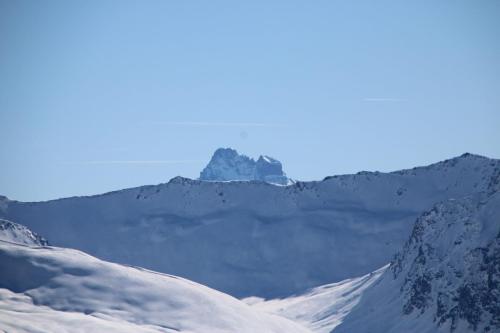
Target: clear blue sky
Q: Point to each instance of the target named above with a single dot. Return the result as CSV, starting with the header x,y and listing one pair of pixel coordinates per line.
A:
x,y
104,95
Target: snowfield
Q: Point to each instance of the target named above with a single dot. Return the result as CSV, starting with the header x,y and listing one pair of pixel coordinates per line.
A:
x,y
50,289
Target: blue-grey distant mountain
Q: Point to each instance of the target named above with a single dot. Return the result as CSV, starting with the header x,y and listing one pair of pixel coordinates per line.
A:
x,y
226,165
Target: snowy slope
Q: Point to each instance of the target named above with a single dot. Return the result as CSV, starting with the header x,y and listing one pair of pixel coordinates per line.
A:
x,y
49,289
16,233
253,238
446,278
322,308
226,164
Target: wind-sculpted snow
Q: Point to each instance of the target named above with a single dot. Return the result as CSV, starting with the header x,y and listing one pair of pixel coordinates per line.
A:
x,y
49,289
252,238
322,308
446,278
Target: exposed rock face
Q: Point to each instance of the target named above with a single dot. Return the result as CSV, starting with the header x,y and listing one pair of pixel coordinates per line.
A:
x,y
447,276
226,164
16,233
451,264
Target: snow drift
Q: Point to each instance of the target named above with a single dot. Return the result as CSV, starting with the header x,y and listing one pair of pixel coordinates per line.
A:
x,y
323,308
50,289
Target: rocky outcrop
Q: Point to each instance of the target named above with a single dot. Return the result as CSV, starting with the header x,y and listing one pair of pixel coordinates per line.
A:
x,y
447,276
16,233
451,264
226,164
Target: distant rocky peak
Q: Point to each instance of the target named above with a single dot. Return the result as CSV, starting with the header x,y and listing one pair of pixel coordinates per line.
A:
x,y
227,164
227,153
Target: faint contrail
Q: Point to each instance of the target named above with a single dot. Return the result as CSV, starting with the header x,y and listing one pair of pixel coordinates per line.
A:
x,y
383,99
219,124
139,162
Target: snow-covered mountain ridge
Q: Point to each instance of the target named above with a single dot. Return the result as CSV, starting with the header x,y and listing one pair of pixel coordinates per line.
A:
x,y
447,276
253,238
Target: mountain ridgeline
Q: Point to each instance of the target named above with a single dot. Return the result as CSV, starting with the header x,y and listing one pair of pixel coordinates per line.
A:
x,y
252,238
